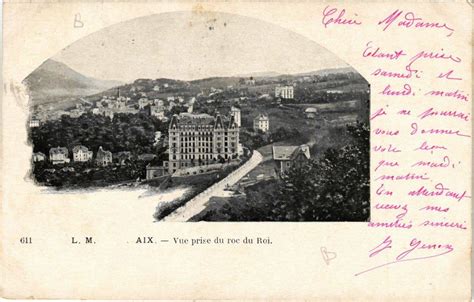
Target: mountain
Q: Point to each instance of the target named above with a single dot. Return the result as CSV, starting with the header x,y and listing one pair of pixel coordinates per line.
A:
x,y
259,74
54,80
323,72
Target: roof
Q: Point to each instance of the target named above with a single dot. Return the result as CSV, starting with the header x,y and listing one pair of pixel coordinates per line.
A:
x,y
311,110
102,152
186,118
289,152
58,150
39,154
190,118
79,147
303,149
283,152
146,156
261,116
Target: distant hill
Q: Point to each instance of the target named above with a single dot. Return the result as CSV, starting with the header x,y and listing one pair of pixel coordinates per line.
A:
x,y
55,80
323,72
259,74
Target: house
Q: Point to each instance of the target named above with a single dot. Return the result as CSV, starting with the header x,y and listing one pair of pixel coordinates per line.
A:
x,y
75,113
189,108
311,112
146,157
158,102
171,105
157,111
284,92
156,88
143,102
34,123
286,157
59,155
38,156
157,137
81,154
155,171
261,122
103,157
250,82
235,112
123,157
108,113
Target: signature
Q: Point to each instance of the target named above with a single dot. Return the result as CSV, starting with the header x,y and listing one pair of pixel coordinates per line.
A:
x,y
409,254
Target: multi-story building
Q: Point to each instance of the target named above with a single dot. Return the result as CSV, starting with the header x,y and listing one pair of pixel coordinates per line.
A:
x,y
200,139
284,92
34,123
103,158
235,112
81,154
261,122
59,155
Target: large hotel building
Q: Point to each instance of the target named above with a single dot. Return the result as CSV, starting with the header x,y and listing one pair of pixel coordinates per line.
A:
x,y
201,139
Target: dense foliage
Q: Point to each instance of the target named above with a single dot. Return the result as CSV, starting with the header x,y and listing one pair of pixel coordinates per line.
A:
x,y
125,132
334,187
82,175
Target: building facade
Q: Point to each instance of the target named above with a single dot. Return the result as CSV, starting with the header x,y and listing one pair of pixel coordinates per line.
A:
x,y
261,122
200,139
284,92
59,155
235,112
34,123
103,157
286,157
81,154
311,112
39,156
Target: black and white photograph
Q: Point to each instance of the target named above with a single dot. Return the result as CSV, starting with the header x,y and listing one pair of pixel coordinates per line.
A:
x,y
209,118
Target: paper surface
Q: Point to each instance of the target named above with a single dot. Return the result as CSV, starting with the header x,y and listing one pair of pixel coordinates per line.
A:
x,y
417,58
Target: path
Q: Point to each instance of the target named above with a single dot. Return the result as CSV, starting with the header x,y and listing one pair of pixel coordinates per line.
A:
x,y
198,203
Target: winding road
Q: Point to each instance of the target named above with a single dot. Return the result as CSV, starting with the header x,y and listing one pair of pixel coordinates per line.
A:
x,y
198,203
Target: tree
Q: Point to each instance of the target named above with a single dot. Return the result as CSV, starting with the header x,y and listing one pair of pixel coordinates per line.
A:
x,y
335,188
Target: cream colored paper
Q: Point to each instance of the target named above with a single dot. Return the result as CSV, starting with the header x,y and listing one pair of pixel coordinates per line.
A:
x,y
293,266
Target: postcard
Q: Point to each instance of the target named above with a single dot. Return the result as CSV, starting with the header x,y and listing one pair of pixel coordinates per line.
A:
x,y
237,150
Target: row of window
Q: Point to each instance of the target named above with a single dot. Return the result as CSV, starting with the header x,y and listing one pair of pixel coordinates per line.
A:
x,y
208,155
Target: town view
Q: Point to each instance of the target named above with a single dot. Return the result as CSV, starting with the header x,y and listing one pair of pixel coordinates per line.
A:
x,y
254,147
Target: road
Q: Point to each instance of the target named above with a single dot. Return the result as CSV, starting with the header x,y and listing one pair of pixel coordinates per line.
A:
x,y
198,203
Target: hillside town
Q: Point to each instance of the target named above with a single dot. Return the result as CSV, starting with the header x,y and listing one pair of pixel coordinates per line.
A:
x,y
167,132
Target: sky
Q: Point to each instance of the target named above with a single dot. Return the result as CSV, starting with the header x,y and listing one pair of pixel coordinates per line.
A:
x,y
187,46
